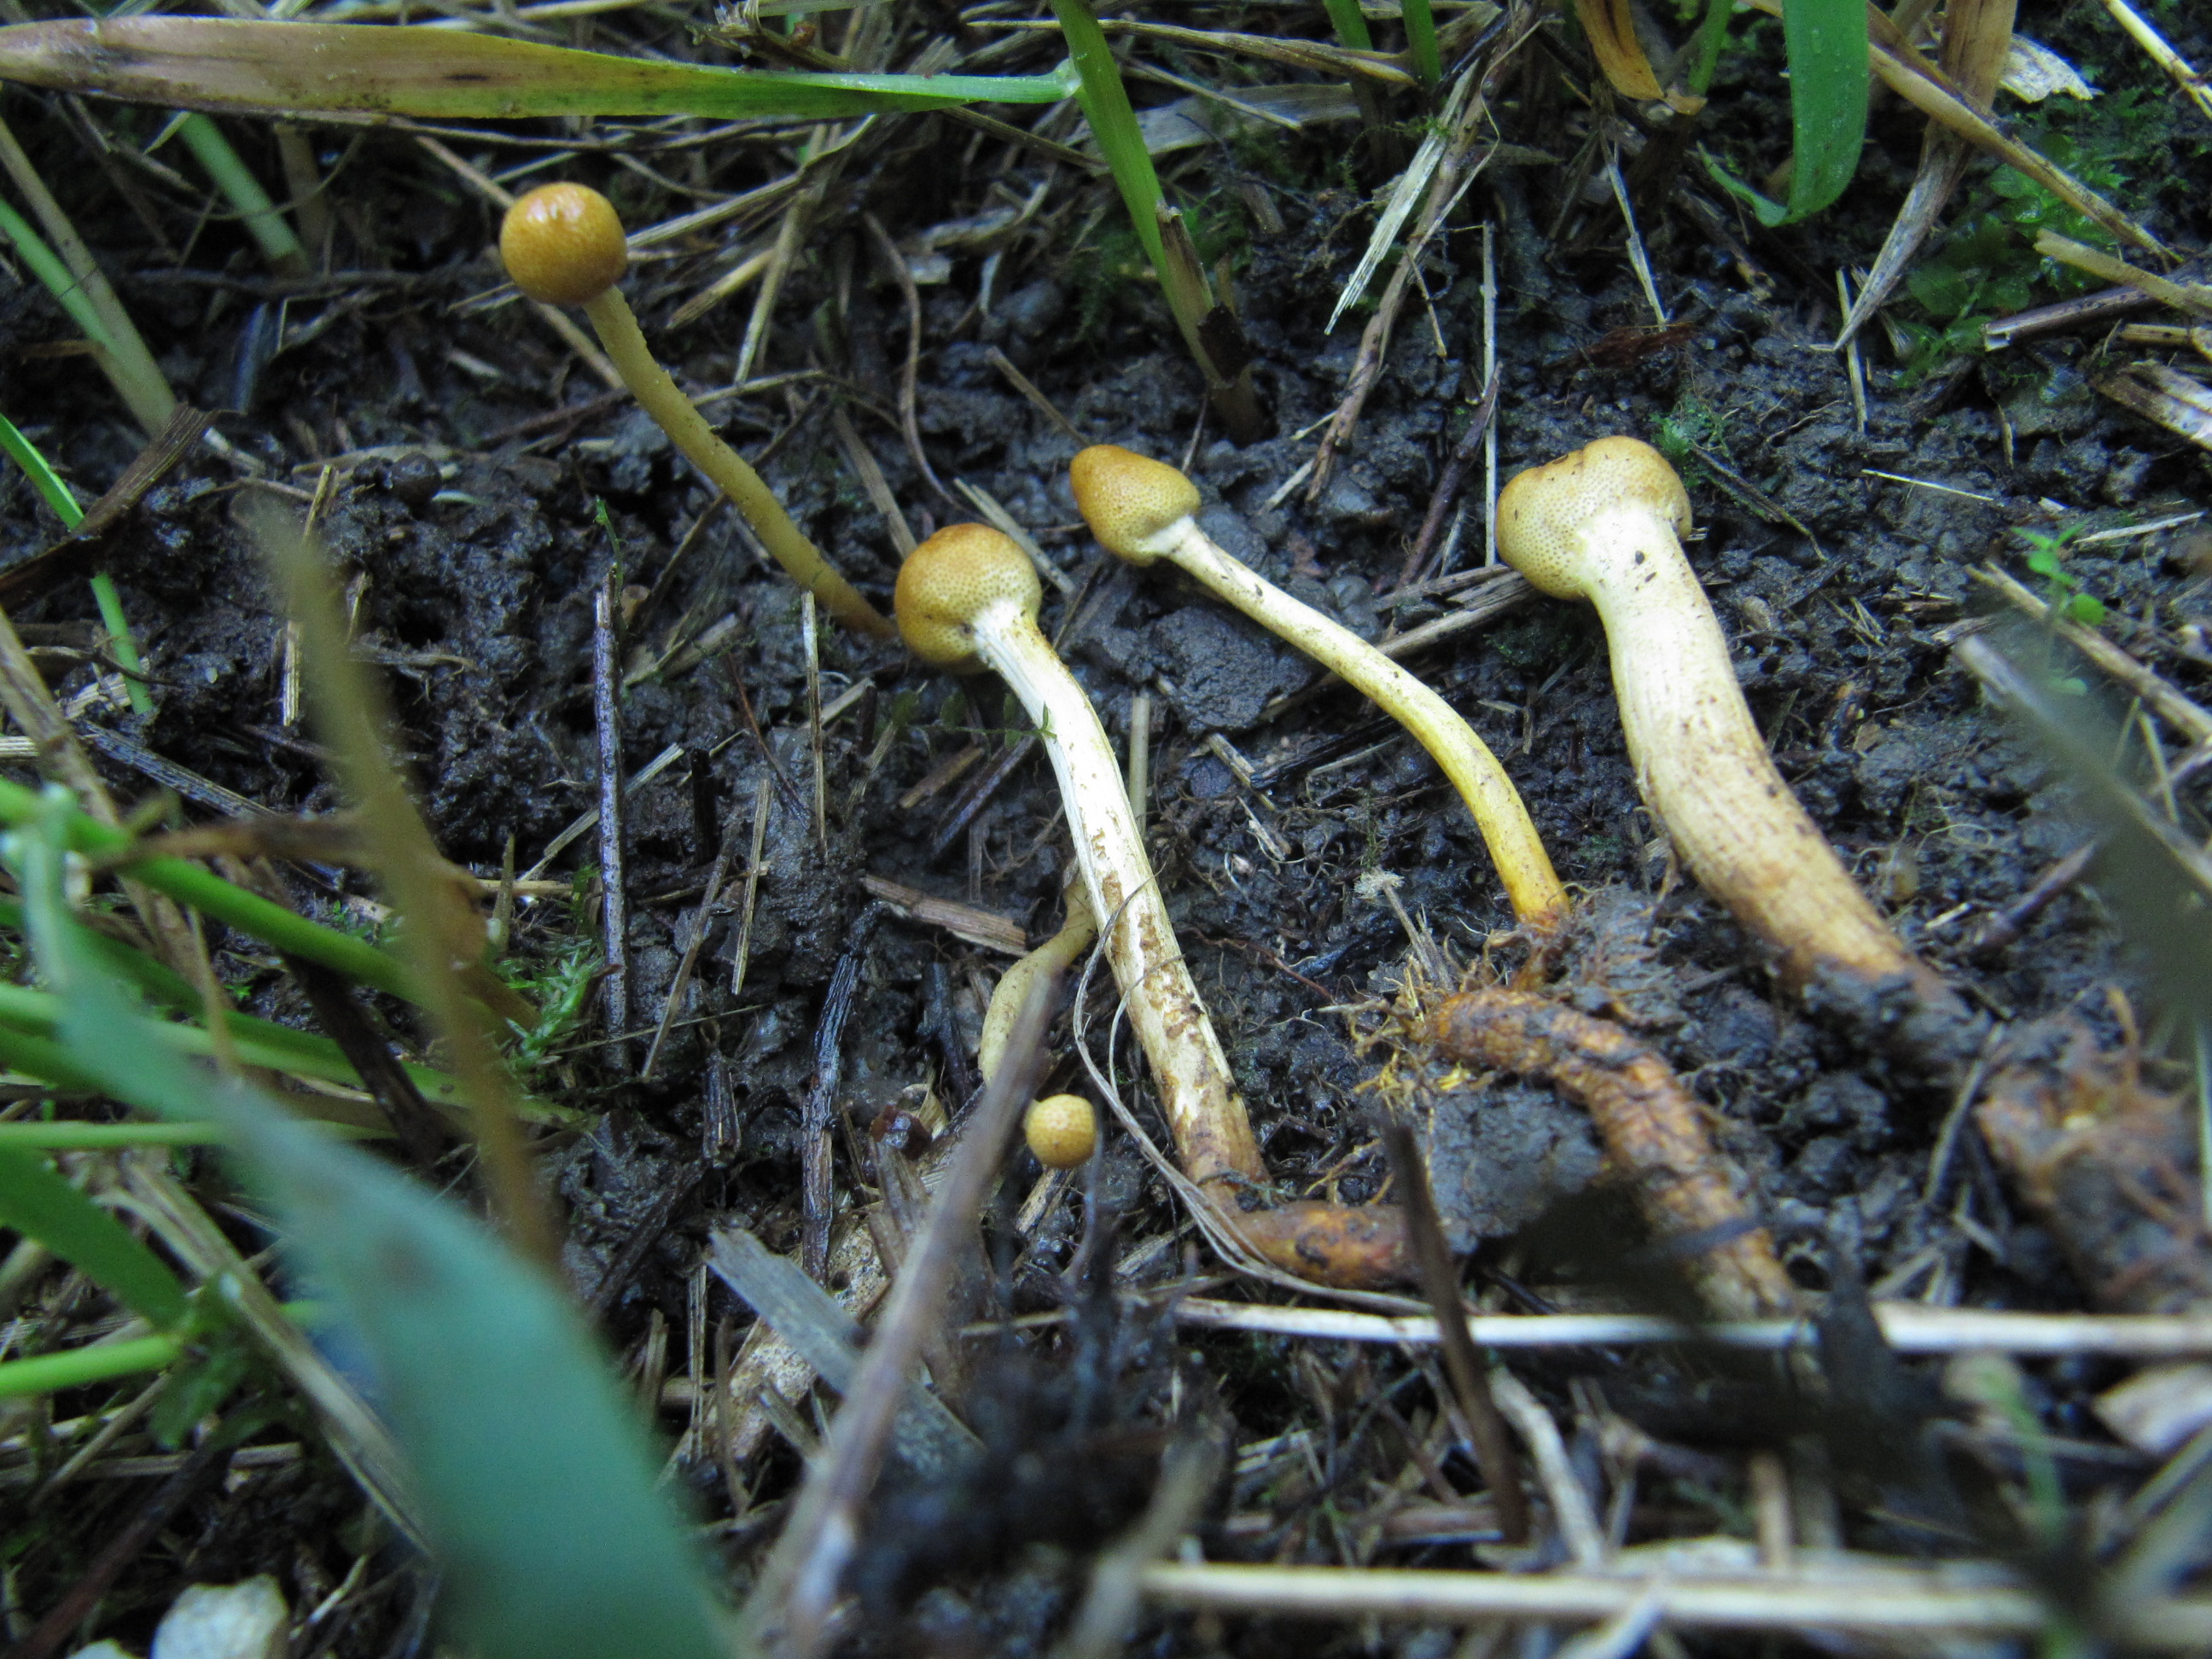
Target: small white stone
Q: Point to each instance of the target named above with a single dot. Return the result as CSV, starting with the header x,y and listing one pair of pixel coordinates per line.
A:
x,y
247,1620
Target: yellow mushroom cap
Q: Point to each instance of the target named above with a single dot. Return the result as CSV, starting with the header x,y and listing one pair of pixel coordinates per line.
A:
x,y
948,579
1127,499
563,244
1542,513
1062,1130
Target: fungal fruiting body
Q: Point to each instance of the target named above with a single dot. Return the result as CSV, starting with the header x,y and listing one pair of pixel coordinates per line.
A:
x,y
1605,524
1657,1146
1062,1130
562,244
1144,510
966,597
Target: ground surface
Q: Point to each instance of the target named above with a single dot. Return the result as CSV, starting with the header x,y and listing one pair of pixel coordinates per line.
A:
x,y
1839,554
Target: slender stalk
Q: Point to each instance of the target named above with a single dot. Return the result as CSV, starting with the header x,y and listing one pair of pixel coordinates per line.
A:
x,y
49,1373
725,469
64,1136
440,933
252,914
1211,1129
26,455
227,168
1350,24
124,644
1421,44
1704,54
24,1013
76,281
1523,865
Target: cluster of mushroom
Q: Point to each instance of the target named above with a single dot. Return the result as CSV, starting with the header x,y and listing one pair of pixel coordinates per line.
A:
x,y
1603,524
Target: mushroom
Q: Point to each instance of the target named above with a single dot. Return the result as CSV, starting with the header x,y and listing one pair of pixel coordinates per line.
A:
x,y
563,245
1062,1130
1604,524
967,598
1143,510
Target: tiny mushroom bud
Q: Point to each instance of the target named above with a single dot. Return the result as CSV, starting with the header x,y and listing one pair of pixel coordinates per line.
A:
x,y
563,245
968,598
1143,510
1604,524
1062,1130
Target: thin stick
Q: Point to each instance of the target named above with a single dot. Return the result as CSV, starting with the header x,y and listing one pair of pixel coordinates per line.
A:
x,y
1140,755
1638,260
702,919
614,906
1907,1327
1023,383
810,636
1854,365
745,956
1490,378
1901,1599
909,380
798,1587
1470,1377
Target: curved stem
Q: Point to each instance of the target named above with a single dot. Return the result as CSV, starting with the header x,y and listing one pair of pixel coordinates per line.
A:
x,y
726,470
1213,1134
1055,955
1523,864
1704,768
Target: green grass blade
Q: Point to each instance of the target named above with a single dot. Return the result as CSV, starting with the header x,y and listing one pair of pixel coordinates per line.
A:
x,y
266,68
531,1469
1351,24
1421,43
47,266
64,1136
1826,45
252,914
77,1368
25,454
37,1202
270,229
48,482
1105,103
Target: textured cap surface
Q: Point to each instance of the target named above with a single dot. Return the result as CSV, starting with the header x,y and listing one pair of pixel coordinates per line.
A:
x,y
563,244
1541,513
1062,1130
1127,498
949,579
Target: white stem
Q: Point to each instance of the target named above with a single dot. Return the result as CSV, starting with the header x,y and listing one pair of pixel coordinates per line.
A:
x,y
1213,1134
1704,768
1515,846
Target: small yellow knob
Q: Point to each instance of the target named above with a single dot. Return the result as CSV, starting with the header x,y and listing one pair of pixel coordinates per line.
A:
x,y
1062,1130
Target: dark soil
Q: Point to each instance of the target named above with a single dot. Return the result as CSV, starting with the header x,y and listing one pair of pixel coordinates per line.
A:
x,y
475,529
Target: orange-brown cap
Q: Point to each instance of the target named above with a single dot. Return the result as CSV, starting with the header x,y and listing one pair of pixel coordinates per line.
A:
x,y
1127,499
947,581
1542,511
1062,1130
563,244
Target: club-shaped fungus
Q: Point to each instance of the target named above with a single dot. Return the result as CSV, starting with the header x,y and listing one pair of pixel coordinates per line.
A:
x,y
563,244
967,598
1144,510
1605,524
